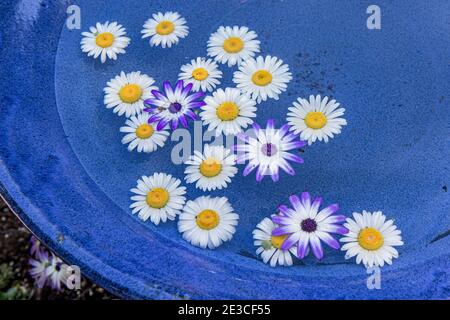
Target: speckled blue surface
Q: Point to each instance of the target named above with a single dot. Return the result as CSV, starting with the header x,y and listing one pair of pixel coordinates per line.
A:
x,y
65,172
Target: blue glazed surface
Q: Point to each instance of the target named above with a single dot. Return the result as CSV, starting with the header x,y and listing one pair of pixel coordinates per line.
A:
x,y
67,175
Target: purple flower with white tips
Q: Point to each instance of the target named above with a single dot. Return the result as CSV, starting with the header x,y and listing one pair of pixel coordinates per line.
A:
x,y
174,106
269,151
307,227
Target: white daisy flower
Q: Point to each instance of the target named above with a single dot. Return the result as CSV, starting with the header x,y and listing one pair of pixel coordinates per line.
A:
x,y
269,246
208,222
203,74
142,135
105,41
263,78
56,273
165,29
233,45
126,93
371,239
228,112
316,119
211,170
158,197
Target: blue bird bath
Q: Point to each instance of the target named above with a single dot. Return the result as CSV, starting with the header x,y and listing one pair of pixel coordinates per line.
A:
x,y
67,176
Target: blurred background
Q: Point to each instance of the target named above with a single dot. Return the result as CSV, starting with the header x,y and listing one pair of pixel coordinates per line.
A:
x,y
29,271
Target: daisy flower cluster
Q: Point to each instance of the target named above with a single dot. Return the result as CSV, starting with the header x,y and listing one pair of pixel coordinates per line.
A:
x,y
45,268
302,228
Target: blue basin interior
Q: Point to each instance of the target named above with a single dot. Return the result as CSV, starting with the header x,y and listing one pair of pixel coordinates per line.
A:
x,y
67,175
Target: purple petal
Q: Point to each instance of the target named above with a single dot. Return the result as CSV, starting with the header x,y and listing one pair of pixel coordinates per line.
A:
x,y
295,201
287,167
316,204
270,124
281,220
186,90
259,174
196,104
167,87
195,96
294,145
293,157
276,175
174,124
335,219
280,231
283,130
290,241
192,115
183,120
316,246
248,169
154,118
306,199
329,240
242,158
256,127
326,212
149,110
161,124
179,87
158,95
302,248
284,210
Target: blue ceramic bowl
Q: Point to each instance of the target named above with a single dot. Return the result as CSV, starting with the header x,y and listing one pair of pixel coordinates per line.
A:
x,y
66,174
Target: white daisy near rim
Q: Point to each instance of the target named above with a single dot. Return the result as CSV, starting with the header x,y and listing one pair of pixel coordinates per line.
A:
x,y
232,45
105,40
208,222
269,247
262,78
371,239
126,93
228,111
165,29
141,135
212,169
158,197
316,119
203,74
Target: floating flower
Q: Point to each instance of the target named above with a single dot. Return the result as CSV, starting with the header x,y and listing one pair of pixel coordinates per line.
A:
x,y
105,40
203,74
233,45
263,78
228,112
306,226
208,222
142,135
269,151
371,239
159,197
126,93
165,29
211,170
38,270
175,106
269,246
316,118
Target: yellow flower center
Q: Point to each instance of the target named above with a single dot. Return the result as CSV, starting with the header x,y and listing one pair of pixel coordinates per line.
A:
x,y
277,241
157,198
262,78
144,131
207,219
233,45
227,111
315,120
200,74
130,93
165,27
370,239
210,167
105,39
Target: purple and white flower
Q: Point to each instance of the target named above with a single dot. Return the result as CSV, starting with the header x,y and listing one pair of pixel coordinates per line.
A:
x,y
269,150
308,226
38,270
174,106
